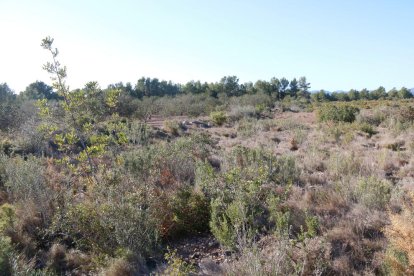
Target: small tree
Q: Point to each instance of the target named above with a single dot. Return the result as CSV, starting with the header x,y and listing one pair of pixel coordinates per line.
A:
x,y
75,130
304,87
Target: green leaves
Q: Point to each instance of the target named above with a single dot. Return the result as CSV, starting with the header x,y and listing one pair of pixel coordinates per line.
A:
x,y
75,131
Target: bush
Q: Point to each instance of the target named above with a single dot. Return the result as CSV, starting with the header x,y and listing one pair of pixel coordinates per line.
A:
x,y
285,171
246,197
375,118
26,181
172,127
373,193
190,213
5,254
341,113
341,165
218,117
368,129
6,221
233,216
400,233
406,114
238,112
177,266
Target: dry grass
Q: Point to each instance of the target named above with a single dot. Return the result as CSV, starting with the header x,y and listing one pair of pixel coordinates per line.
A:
x,y
400,234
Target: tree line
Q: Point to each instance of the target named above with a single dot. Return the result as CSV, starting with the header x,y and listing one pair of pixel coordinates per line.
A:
x,y
229,86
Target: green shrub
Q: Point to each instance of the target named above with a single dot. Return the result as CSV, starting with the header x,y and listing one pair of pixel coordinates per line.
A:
x,y
368,129
247,195
284,170
373,193
5,254
176,265
26,181
233,223
190,212
340,113
218,117
172,127
7,214
6,147
238,199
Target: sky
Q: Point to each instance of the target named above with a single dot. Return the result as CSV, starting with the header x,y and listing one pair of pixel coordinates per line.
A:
x,y
336,44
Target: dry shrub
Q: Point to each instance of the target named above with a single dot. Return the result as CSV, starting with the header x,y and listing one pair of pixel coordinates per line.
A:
x,y
346,247
77,261
400,233
238,111
356,240
172,127
57,258
273,256
121,267
374,118
344,164
374,193
326,202
293,145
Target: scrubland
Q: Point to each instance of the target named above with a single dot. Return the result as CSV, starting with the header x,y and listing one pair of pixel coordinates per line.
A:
x,y
271,189
227,180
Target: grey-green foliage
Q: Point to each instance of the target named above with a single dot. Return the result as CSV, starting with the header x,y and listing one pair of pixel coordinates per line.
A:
x,y
373,193
234,211
9,108
179,157
118,219
341,165
25,180
132,226
284,170
241,111
6,249
243,195
340,113
138,133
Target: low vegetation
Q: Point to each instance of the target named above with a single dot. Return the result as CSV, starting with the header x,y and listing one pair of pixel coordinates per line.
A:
x,y
208,179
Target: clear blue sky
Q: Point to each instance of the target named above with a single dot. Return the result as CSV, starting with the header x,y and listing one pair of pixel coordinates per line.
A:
x,y
336,44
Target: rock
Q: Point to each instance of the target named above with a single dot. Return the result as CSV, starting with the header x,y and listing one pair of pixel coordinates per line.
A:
x,y
200,124
214,162
161,134
276,140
